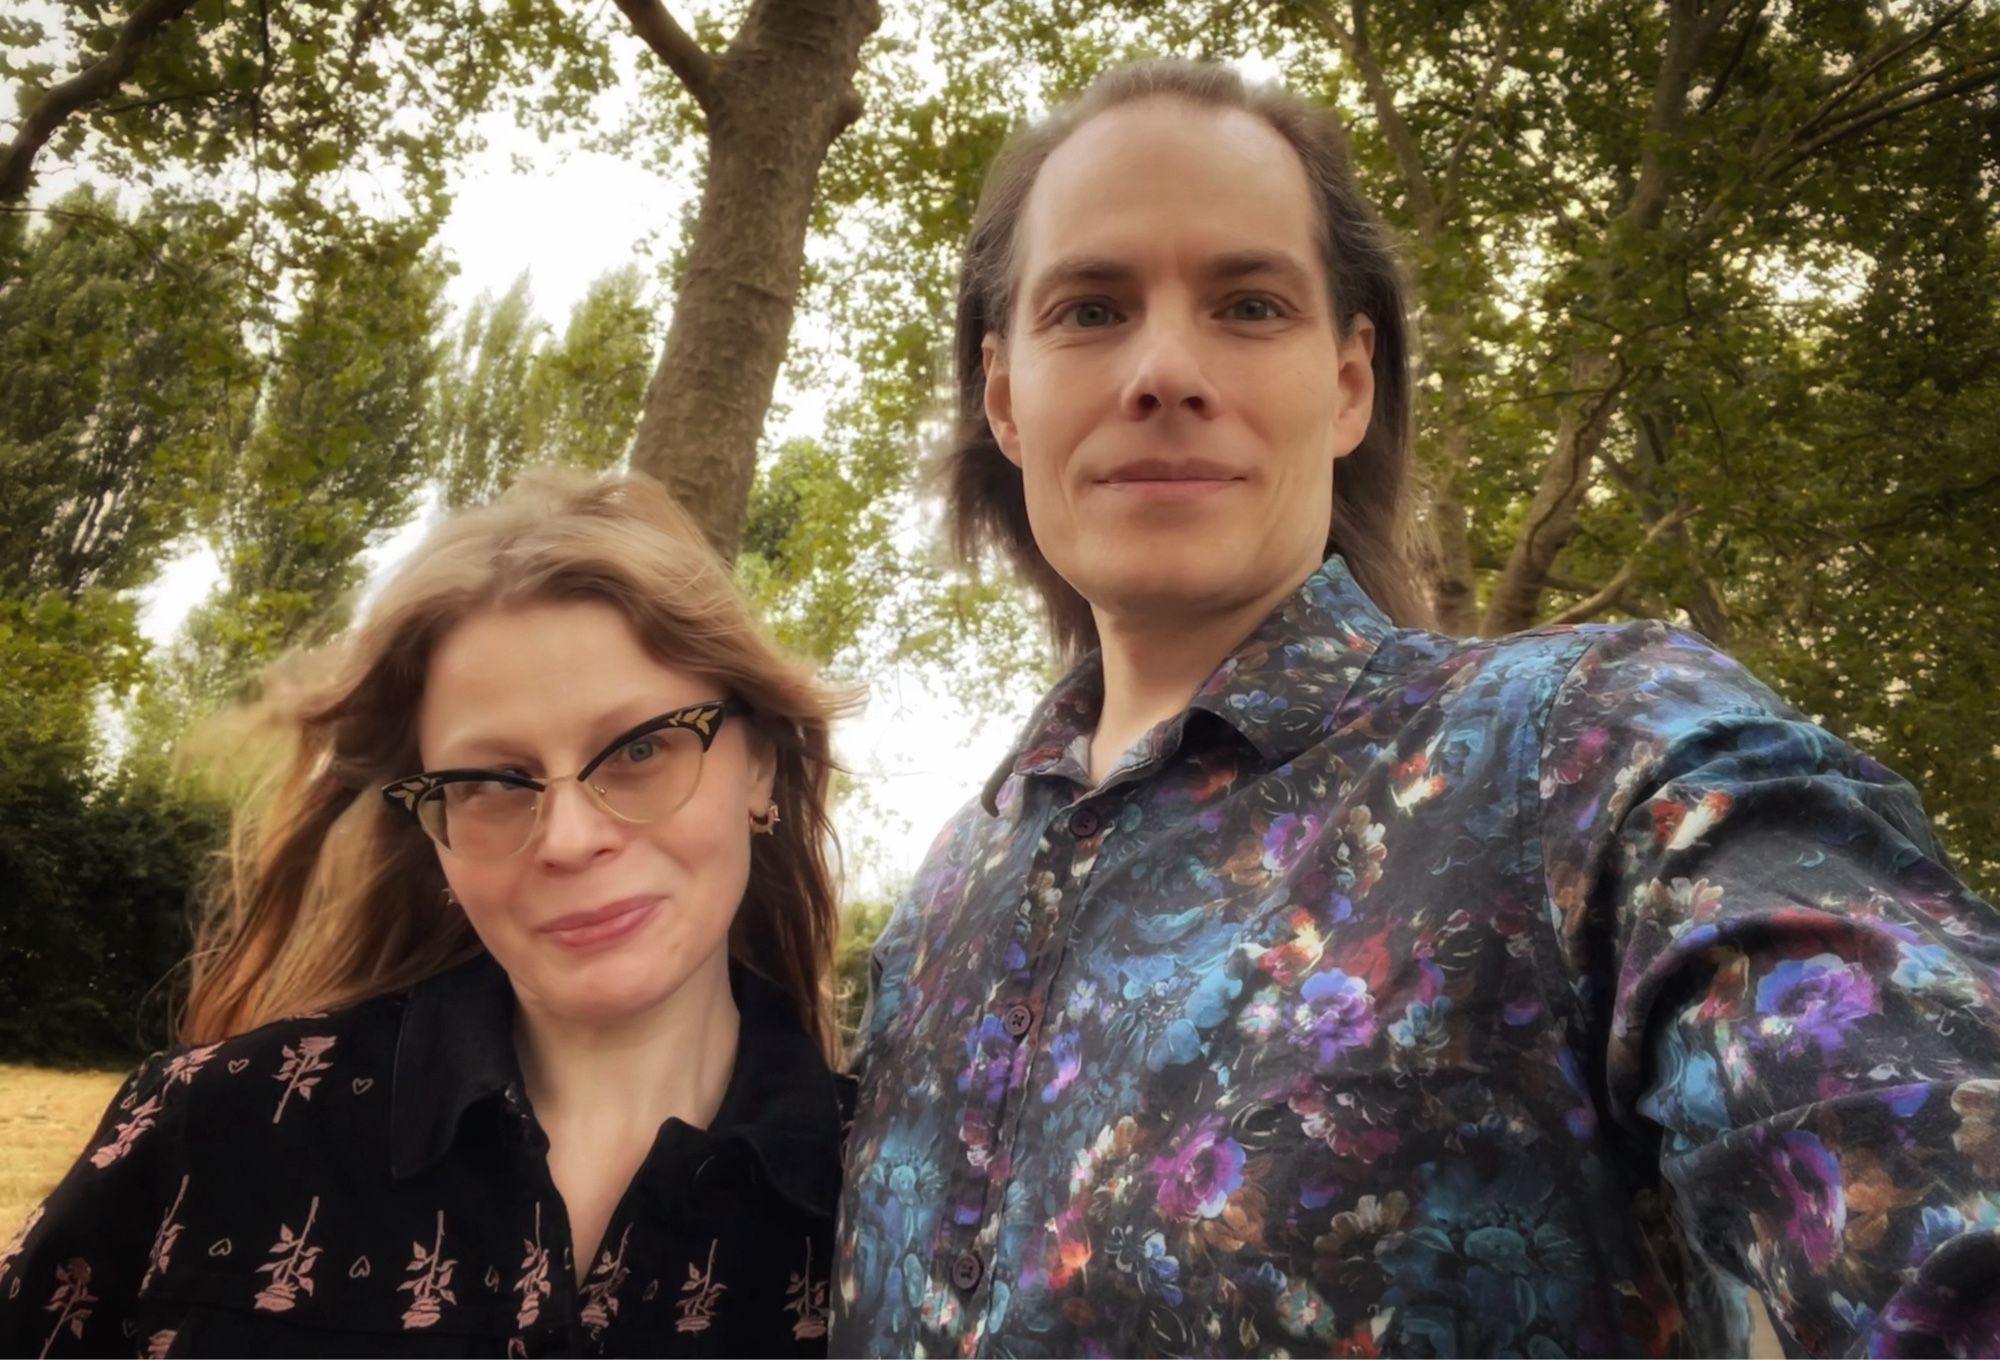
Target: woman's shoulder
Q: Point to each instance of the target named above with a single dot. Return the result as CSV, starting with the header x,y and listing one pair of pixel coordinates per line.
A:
x,y
284,1073
293,1050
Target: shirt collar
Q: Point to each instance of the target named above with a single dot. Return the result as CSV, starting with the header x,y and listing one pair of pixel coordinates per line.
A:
x,y
1280,687
456,1049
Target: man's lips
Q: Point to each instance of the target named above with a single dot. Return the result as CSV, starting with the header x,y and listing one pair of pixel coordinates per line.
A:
x,y
1153,471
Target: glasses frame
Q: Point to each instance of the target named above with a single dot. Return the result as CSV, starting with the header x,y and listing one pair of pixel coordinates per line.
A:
x,y
703,719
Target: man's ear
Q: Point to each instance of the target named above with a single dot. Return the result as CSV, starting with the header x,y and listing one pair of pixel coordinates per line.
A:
x,y
1356,382
1000,396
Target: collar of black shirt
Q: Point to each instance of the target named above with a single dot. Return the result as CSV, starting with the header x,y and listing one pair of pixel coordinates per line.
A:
x,y
456,1049
1280,688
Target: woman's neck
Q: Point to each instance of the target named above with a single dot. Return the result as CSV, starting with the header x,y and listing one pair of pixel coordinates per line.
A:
x,y
621,1080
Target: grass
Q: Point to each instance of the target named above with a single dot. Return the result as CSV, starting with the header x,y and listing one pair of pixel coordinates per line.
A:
x,y
46,1117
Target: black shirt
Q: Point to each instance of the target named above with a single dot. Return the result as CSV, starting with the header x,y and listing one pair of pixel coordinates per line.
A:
x,y
373,1182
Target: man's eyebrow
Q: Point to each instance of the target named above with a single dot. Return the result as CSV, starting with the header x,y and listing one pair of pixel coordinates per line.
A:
x,y
1227,267
1072,270
1243,264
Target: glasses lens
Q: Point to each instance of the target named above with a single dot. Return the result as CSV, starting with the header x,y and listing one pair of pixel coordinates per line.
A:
x,y
479,818
650,777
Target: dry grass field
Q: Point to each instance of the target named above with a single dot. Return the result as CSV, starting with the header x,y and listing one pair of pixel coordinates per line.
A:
x,y
45,1118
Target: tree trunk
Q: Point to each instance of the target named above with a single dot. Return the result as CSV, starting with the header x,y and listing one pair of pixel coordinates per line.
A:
x,y
1566,477
775,102
1454,599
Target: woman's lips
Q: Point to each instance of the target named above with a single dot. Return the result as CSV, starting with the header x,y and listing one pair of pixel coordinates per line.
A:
x,y
606,925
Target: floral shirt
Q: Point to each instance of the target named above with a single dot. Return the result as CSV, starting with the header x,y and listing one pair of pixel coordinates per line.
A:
x,y
373,1182
1418,995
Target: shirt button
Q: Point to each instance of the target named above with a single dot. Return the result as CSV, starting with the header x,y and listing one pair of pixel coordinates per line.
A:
x,y
1017,1019
1084,823
966,1270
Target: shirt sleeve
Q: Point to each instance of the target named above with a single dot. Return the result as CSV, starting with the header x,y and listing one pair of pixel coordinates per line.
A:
x,y
1793,1004
888,968
70,1281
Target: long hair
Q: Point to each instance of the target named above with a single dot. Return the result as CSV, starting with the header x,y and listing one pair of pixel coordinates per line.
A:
x,y
1370,526
327,897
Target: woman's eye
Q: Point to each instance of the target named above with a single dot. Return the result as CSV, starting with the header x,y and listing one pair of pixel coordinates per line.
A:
x,y
1254,309
1089,315
639,751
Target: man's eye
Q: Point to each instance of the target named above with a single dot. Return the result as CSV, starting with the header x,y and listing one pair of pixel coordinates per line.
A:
x,y
1089,315
1254,309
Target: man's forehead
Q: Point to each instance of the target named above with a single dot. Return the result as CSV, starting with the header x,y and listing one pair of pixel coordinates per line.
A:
x,y
1214,185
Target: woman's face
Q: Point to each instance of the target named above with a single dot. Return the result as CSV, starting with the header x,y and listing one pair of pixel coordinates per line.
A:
x,y
595,918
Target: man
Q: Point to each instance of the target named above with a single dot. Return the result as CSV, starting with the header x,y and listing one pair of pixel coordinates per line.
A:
x,y
1310,982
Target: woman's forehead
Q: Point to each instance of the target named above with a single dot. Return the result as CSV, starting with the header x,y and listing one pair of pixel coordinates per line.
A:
x,y
564,669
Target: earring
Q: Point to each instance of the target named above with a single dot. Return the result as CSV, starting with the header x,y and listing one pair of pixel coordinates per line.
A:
x,y
450,899
766,824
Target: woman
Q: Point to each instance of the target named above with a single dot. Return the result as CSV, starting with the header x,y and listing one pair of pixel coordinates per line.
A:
x,y
545,896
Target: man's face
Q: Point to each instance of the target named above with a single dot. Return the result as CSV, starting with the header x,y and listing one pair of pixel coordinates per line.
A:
x,y
1172,383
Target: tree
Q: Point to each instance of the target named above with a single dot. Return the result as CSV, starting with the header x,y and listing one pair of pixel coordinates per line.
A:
x,y
772,102
335,462
125,389
509,395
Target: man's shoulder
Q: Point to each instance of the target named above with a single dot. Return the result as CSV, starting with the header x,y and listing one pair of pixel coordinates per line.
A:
x,y
1600,658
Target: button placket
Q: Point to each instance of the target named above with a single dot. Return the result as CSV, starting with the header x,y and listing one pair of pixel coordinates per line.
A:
x,y
1050,883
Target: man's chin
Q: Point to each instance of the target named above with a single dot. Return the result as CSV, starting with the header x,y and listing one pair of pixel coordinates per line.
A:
x,y
1171,585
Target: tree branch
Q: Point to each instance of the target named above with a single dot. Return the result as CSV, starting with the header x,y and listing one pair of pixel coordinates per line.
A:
x,y
1985,71
1736,55
1614,589
1503,48
92,83
1890,51
113,110
682,54
1690,29
1353,43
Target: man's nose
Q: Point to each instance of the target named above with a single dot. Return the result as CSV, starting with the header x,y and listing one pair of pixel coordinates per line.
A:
x,y
1167,372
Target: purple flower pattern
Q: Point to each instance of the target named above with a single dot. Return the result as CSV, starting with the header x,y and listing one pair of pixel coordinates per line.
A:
x,y
1417,995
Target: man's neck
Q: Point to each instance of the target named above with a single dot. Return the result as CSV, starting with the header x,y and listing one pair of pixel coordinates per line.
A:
x,y
1154,665
624,1079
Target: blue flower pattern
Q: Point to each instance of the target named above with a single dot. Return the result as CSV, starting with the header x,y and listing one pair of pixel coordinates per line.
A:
x,y
1415,995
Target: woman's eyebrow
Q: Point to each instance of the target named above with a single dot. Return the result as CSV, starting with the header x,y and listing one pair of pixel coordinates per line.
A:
x,y
480,751
474,749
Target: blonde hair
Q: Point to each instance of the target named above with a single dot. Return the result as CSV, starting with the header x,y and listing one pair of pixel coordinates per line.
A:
x,y
327,897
